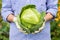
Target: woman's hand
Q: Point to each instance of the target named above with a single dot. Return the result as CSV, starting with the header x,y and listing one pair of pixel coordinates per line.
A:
x,y
10,17
48,17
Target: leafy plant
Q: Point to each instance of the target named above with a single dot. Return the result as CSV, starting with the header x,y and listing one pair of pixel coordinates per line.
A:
x,y
30,19
4,31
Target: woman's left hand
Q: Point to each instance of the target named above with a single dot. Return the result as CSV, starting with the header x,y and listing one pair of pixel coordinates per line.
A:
x,y
48,17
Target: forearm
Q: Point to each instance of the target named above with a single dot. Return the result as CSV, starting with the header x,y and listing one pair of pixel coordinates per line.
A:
x,y
6,9
51,9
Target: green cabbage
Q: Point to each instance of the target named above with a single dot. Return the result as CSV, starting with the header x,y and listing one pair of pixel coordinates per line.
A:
x,y
30,19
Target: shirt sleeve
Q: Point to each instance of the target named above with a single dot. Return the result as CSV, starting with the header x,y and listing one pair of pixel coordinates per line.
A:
x,y
6,9
52,6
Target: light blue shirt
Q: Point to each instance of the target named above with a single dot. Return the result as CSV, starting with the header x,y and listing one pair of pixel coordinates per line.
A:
x,y
14,6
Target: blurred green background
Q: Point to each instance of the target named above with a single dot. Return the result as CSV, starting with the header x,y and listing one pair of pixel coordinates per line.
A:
x,y
55,26
4,27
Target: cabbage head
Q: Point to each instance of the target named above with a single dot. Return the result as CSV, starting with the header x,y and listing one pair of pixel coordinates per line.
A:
x,y
30,19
